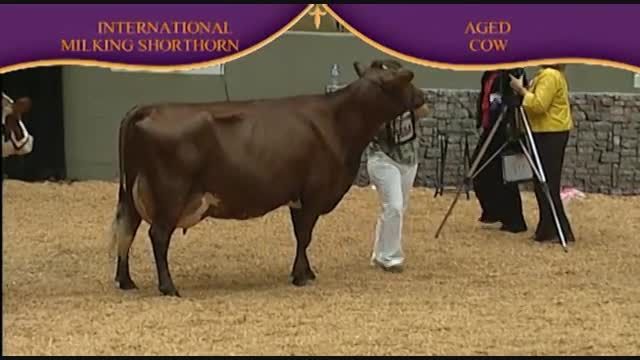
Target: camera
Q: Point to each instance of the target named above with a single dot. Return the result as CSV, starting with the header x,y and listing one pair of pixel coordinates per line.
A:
x,y
516,72
509,96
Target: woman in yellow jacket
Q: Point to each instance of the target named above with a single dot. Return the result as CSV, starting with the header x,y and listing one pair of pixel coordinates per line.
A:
x,y
546,103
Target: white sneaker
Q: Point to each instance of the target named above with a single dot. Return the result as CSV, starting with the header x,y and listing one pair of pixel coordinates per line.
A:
x,y
394,268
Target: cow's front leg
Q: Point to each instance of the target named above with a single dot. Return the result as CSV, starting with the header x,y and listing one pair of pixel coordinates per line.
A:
x,y
303,224
160,238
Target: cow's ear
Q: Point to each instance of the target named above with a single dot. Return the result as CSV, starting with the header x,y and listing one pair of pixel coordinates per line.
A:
x,y
358,68
382,65
398,78
388,64
405,75
22,105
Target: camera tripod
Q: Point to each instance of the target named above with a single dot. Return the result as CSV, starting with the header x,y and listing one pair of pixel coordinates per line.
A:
x,y
528,147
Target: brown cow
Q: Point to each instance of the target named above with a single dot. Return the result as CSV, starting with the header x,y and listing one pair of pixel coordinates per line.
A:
x,y
181,163
16,140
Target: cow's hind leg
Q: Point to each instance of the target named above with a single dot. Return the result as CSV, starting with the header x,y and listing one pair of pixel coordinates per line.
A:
x,y
123,231
303,224
160,238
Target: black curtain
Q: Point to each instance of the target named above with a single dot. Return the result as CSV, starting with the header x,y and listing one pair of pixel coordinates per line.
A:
x,y
45,122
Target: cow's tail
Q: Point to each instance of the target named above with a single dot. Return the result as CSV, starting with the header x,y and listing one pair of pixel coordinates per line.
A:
x,y
124,224
124,135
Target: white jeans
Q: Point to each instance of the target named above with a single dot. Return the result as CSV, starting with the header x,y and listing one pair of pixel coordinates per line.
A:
x,y
393,181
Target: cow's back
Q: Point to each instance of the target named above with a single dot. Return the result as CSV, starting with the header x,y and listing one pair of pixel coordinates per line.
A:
x,y
267,152
252,155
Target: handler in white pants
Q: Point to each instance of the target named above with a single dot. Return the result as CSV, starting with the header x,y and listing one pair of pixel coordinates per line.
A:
x,y
392,166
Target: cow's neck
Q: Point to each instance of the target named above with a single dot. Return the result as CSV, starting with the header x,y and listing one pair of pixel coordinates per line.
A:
x,y
360,116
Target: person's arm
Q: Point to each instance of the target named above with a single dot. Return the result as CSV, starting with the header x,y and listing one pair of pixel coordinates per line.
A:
x,y
540,99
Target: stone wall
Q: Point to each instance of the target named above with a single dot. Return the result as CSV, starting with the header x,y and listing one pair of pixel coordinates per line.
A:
x,y
603,155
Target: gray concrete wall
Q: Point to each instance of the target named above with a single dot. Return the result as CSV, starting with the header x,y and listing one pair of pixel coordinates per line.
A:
x,y
602,156
95,99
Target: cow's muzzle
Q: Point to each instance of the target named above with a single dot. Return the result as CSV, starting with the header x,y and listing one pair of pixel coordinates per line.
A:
x,y
422,111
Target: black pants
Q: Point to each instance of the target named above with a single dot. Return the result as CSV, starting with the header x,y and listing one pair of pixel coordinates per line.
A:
x,y
499,201
551,148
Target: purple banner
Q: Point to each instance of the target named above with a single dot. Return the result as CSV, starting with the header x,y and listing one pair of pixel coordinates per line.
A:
x,y
454,35
483,34
153,35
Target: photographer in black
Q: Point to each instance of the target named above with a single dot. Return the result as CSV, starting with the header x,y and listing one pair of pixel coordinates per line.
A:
x,y
500,202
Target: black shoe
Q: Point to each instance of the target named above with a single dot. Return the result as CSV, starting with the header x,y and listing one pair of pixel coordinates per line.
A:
x,y
485,219
514,228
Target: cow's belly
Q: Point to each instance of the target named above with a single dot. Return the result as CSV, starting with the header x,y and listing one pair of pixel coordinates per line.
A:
x,y
203,204
250,195
242,210
190,213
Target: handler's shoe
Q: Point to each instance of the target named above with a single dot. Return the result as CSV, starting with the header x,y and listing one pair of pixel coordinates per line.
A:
x,y
514,228
397,268
486,219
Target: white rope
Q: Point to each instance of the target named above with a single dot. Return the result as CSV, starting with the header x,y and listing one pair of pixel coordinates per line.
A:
x,y
25,136
6,98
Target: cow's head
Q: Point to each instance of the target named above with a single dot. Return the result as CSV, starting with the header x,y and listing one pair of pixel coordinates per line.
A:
x,y
16,140
396,83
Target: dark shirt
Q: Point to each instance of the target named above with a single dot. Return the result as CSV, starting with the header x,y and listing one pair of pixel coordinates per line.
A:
x,y
406,153
501,86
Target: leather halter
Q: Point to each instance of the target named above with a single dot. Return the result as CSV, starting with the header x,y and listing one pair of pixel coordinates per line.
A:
x,y
17,144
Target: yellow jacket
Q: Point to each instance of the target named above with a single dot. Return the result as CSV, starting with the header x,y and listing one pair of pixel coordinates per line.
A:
x,y
547,102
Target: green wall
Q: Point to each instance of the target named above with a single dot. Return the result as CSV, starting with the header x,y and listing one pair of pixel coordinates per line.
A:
x,y
95,99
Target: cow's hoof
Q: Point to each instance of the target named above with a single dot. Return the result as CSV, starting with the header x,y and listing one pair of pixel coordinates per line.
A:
x,y
302,280
126,285
311,275
170,292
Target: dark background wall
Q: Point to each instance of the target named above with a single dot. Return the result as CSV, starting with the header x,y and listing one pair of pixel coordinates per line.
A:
x,y
45,122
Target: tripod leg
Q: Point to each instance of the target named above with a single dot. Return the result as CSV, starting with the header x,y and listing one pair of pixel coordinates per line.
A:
x,y
470,175
538,169
453,204
437,178
532,144
531,162
443,164
556,220
465,161
547,192
484,147
486,163
439,168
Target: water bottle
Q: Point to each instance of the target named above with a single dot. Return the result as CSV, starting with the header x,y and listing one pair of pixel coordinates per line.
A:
x,y
335,75
334,79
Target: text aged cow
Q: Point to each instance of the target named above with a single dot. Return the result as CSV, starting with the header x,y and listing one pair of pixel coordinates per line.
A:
x,y
183,162
16,140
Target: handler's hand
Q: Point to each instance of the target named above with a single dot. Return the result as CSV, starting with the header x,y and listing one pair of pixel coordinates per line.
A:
x,y
517,84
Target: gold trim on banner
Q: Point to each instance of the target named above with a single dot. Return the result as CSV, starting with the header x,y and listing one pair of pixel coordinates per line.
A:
x,y
158,68
479,67
317,14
